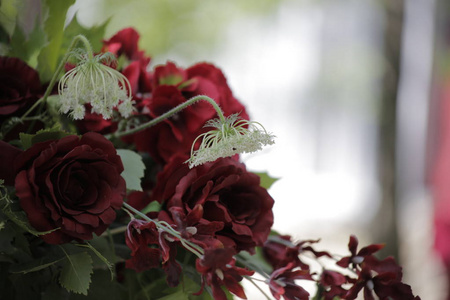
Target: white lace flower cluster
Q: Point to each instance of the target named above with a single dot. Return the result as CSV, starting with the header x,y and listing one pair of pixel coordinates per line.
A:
x,y
95,83
231,136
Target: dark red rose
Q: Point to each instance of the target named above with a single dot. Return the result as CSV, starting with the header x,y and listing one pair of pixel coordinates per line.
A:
x,y
19,86
125,42
221,196
8,154
207,79
72,185
173,86
169,74
174,135
140,79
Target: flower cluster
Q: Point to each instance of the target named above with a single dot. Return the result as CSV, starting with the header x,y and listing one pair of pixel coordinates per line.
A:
x,y
369,274
118,174
97,84
230,136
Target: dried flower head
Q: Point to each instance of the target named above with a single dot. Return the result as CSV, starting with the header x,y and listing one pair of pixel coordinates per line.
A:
x,y
93,81
230,136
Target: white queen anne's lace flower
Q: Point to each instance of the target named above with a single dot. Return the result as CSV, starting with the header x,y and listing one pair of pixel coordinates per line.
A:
x,y
95,83
231,136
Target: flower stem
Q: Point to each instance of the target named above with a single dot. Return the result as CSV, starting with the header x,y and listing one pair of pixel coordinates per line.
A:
x,y
111,232
197,250
170,113
257,286
76,39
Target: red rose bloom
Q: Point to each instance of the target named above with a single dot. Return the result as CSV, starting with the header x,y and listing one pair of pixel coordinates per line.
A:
x,y
19,86
220,193
125,42
72,185
173,86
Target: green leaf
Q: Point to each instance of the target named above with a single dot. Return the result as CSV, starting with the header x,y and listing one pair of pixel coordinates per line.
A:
x,y
133,169
27,46
13,212
20,218
101,257
94,34
266,180
54,28
35,265
42,135
152,206
8,11
76,273
180,295
101,288
254,262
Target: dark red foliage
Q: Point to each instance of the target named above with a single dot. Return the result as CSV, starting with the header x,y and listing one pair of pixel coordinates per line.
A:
x,y
382,278
332,282
280,251
218,268
149,248
282,283
357,258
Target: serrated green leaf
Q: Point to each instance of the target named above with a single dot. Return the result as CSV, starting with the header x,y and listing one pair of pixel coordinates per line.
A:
x,y
102,288
266,180
101,257
133,169
76,272
42,135
54,28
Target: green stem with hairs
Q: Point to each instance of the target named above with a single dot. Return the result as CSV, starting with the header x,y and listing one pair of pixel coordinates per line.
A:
x,y
197,250
170,113
87,46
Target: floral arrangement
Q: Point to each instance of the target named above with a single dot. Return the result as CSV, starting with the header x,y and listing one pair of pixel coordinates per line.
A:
x,y
123,181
